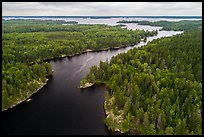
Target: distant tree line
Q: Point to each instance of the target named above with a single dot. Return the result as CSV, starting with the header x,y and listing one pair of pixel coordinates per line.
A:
x,y
183,25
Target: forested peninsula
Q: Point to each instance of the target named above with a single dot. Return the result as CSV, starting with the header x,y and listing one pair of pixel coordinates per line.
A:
x,y
26,44
154,89
183,25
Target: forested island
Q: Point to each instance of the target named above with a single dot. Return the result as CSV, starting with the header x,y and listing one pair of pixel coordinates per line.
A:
x,y
154,89
182,25
26,44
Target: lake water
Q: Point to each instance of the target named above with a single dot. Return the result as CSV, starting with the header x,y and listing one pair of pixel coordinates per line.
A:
x,y
61,107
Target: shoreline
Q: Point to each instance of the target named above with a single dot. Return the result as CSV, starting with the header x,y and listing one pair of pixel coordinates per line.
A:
x,y
94,84
28,98
50,59
83,52
87,85
106,111
86,51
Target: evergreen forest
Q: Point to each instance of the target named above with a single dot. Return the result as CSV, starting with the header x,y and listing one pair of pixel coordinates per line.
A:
x,y
154,89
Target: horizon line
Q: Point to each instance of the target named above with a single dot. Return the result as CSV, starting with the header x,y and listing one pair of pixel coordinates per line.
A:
x,y
102,15
170,16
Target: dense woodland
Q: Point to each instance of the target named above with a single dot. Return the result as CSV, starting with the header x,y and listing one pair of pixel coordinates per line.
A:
x,y
26,43
183,25
154,89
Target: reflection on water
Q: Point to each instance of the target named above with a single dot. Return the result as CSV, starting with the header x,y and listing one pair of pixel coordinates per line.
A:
x,y
84,65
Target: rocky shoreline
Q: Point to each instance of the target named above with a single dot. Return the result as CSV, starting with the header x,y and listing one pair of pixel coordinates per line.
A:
x,y
28,98
108,113
86,85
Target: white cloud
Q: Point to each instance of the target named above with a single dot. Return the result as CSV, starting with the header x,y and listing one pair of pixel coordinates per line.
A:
x,y
100,8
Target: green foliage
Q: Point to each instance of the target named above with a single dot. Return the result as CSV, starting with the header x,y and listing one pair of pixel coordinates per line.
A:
x,y
26,43
19,81
169,131
183,25
157,87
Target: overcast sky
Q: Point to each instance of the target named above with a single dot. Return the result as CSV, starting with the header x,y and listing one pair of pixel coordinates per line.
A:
x,y
100,8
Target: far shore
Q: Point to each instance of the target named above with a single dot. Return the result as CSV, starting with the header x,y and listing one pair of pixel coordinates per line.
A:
x,y
83,52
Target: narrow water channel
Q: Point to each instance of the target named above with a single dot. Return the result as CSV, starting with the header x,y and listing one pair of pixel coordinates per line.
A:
x,y
61,107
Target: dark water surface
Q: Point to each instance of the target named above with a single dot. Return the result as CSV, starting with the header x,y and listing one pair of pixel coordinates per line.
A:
x,y
61,107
